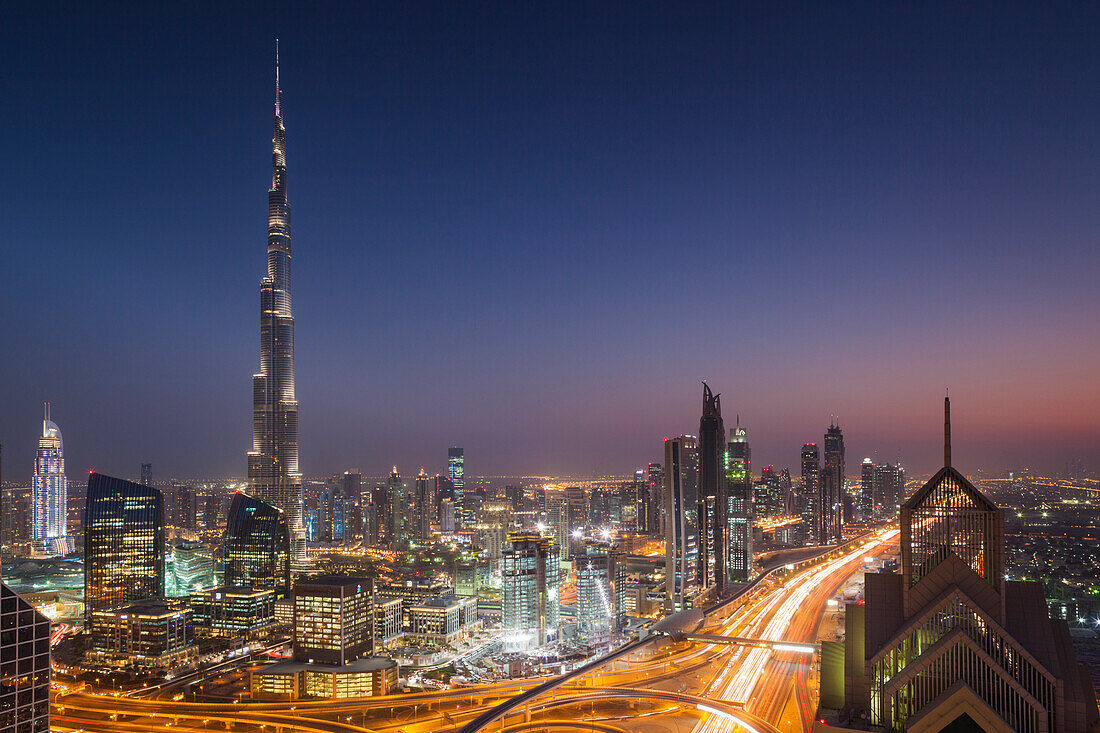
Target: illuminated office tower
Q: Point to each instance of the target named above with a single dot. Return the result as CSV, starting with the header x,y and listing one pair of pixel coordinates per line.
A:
x,y
25,672
529,599
422,506
398,514
257,546
866,488
456,472
123,543
739,511
601,593
50,491
949,644
713,496
273,473
681,501
333,620
812,520
832,485
183,508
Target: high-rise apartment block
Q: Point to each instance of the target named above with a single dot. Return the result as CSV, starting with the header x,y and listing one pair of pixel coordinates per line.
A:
x,y
813,520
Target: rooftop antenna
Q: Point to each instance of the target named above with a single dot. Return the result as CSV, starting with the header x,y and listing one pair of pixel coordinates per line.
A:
x,y
947,429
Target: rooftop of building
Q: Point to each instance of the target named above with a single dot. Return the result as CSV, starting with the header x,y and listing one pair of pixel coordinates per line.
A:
x,y
366,664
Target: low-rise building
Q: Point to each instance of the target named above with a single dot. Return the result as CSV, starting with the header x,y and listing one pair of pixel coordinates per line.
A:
x,y
443,620
233,611
153,632
387,620
367,677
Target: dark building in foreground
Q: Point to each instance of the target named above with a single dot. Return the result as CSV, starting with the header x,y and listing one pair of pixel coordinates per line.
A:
x,y
257,546
123,543
25,671
949,644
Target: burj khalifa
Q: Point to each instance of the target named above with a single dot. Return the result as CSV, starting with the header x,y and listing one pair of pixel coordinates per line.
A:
x,y
273,473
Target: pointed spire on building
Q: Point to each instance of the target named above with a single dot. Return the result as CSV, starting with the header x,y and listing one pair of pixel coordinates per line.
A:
x,y
947,431
278,91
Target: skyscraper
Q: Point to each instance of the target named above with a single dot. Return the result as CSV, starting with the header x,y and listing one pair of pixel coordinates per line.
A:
x,y
423,507
739,508
812,520
146,474
866,488
25,673
51,490
529,599
123,543
832,484
713,496
681,501
456,472
257,546
656,494
273,473
398,513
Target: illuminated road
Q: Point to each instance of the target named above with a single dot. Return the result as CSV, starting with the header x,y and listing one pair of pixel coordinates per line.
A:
x,y
672,686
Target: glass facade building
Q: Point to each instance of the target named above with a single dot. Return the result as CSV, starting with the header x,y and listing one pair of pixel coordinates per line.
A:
x,y
529,601
601,593
257,546
123,543
25,671
456,472
739,505
681,500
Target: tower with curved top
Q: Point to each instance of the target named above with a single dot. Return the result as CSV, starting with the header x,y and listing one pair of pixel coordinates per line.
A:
x,y
51,489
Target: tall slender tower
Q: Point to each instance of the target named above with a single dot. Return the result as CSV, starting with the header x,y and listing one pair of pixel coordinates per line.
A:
x,y
273,461
739,505
713,496
50,490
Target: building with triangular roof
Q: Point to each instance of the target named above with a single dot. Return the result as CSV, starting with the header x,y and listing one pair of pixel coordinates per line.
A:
x,y
948,644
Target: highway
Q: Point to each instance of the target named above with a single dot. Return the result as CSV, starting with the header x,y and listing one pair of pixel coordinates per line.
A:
x,y
687,685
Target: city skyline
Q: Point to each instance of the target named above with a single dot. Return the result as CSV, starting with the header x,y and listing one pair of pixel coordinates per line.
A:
x,y
562,345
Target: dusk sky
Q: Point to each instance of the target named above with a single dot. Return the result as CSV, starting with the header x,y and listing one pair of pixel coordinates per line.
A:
x,y
531,229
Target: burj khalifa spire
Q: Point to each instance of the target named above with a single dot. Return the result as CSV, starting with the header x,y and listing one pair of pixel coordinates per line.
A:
x,y
273,473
